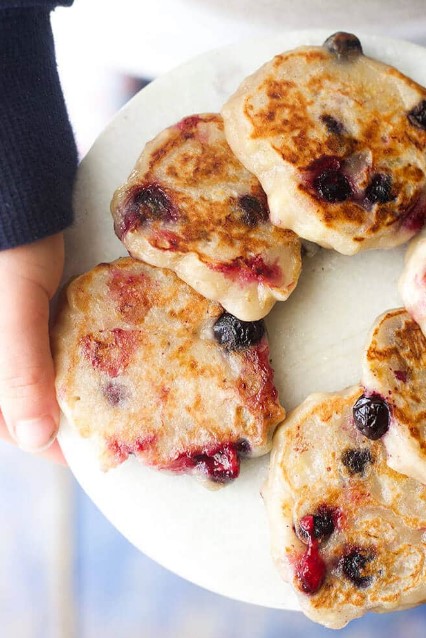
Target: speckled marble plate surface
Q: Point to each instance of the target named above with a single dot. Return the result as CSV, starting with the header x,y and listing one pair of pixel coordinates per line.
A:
x,y
219,540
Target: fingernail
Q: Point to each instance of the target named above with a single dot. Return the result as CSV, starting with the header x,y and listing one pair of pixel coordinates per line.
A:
x,y
35,435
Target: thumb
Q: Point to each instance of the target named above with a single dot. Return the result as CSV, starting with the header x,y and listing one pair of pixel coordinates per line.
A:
x,y
27,391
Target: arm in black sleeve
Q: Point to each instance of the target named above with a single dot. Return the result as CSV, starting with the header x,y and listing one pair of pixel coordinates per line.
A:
x,y
38,156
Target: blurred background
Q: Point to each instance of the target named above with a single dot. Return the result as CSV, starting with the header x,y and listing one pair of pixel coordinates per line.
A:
x,y
65,572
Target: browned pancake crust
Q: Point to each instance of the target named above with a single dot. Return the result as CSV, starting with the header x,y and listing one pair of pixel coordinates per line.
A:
x,y
194,166
395,368
139,369
373,549
306,106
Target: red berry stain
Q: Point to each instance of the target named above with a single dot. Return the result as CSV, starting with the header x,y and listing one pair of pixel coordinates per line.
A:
x,y
401,375
115,393
311,569
415,217
257,386
247,270
220,464
110,351
188,123
132,294
121,449
145,203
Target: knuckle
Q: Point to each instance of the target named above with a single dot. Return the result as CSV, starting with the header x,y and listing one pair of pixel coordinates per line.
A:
x,y
21,384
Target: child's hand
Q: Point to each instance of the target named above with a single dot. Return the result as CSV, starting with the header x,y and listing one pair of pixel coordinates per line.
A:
x,y
29,277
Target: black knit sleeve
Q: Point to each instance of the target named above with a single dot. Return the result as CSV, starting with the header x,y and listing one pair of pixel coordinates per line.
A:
x,y
38,156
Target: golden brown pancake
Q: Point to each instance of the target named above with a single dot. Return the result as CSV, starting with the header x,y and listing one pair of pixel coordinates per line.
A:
x,y
148,367
337,141
394,373
347,531
412,283
191,206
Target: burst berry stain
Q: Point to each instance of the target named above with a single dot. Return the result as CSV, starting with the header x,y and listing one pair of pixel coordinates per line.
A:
x,y
311,570
353,565
220,464
248,270
417,115
121,450
313,530
188,122
115,393
234,334
332,125
146,203
109,351
401,375
254,210
371,416
415,217
356,460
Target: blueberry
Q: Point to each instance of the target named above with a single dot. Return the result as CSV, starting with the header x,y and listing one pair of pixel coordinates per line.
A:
x,y
332,125
243,447
379,189
323,523
333,186
371,416
355,460
152,202
234,334
254,210
318,526
417,115
345,46
353,565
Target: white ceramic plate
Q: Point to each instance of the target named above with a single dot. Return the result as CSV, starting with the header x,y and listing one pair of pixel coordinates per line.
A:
x,y
219,539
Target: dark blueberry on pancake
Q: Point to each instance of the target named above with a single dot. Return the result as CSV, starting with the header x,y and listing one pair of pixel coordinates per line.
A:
x,y
379,189
345,46
139,370
332,125
152,202
254,210
234,334
335,108
371,416
243,448
333,186
207,219
348,540
417,115
356,460
354,566
318,526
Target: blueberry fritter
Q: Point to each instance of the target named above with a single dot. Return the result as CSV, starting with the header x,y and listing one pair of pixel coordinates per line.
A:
x,y
337,141
347,530
191,206
394,375
148,367
412,283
